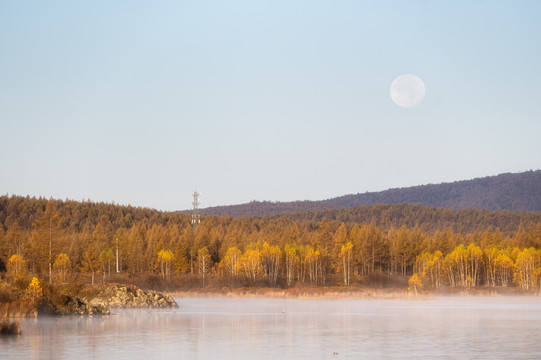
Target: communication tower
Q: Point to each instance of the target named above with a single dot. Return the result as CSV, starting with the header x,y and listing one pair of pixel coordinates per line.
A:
x,y
196,218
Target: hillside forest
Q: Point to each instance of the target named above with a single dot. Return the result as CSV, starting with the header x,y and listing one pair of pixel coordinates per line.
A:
x,y
512,192
69,241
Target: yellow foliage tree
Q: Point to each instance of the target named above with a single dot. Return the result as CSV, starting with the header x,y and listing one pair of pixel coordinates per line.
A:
x,y
61,266
291,261
504,268
251,263
270,260
414,284
16,265
430,267
165,258
231,262
475,258
312,260
525,274
204,262
34,291
345,259
106,259
340,238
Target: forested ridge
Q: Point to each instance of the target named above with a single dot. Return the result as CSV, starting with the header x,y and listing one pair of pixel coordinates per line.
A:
x,y
63,241
512,192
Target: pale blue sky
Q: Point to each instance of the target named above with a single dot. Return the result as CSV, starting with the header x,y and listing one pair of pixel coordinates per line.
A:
x,y
136,102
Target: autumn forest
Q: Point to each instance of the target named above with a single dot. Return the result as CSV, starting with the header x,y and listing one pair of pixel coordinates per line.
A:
x,y
377,245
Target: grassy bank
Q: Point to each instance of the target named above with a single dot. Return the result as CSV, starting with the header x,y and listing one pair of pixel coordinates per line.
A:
x,y
295,293
13,302
21,299
333,292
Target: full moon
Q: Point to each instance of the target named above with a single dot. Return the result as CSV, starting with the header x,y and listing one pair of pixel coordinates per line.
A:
x,y
407,91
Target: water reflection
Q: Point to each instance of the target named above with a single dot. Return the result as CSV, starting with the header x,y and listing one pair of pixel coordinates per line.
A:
x,y
506,327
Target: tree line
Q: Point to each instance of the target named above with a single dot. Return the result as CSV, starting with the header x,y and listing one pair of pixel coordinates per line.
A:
x,y
60,239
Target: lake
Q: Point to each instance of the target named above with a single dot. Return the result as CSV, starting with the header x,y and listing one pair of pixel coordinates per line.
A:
x,y
255,328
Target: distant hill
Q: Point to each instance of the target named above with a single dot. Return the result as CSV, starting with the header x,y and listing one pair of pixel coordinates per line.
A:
x,y
512,192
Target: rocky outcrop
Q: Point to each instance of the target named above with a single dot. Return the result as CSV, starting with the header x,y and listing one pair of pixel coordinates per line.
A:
x,y
86,300
70,305
97,301
127,296
77,306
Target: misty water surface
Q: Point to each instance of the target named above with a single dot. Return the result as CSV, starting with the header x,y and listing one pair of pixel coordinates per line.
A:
x,y
216,328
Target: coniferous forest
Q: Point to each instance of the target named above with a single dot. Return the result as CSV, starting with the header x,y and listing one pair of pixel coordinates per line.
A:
x,y
376,245
512,192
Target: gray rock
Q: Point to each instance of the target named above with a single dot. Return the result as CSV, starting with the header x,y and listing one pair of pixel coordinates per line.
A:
x,y
71,305
121,296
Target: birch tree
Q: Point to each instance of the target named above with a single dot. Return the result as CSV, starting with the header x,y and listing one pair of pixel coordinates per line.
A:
x,y
204,263
345,256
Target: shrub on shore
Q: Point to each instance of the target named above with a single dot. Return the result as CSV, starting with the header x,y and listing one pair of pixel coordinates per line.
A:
x,y
9,327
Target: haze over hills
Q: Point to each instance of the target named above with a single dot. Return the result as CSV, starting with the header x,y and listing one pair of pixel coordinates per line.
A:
x,y
512,192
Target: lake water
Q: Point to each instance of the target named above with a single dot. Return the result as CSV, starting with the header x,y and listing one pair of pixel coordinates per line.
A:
x,y
225,328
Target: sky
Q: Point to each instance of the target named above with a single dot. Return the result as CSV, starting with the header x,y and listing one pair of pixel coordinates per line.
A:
x,y
141,102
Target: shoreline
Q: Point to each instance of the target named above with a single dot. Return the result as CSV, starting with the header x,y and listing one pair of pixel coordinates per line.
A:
x,y
338,293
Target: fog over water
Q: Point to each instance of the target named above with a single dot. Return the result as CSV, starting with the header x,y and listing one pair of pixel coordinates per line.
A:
x,y
253,328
